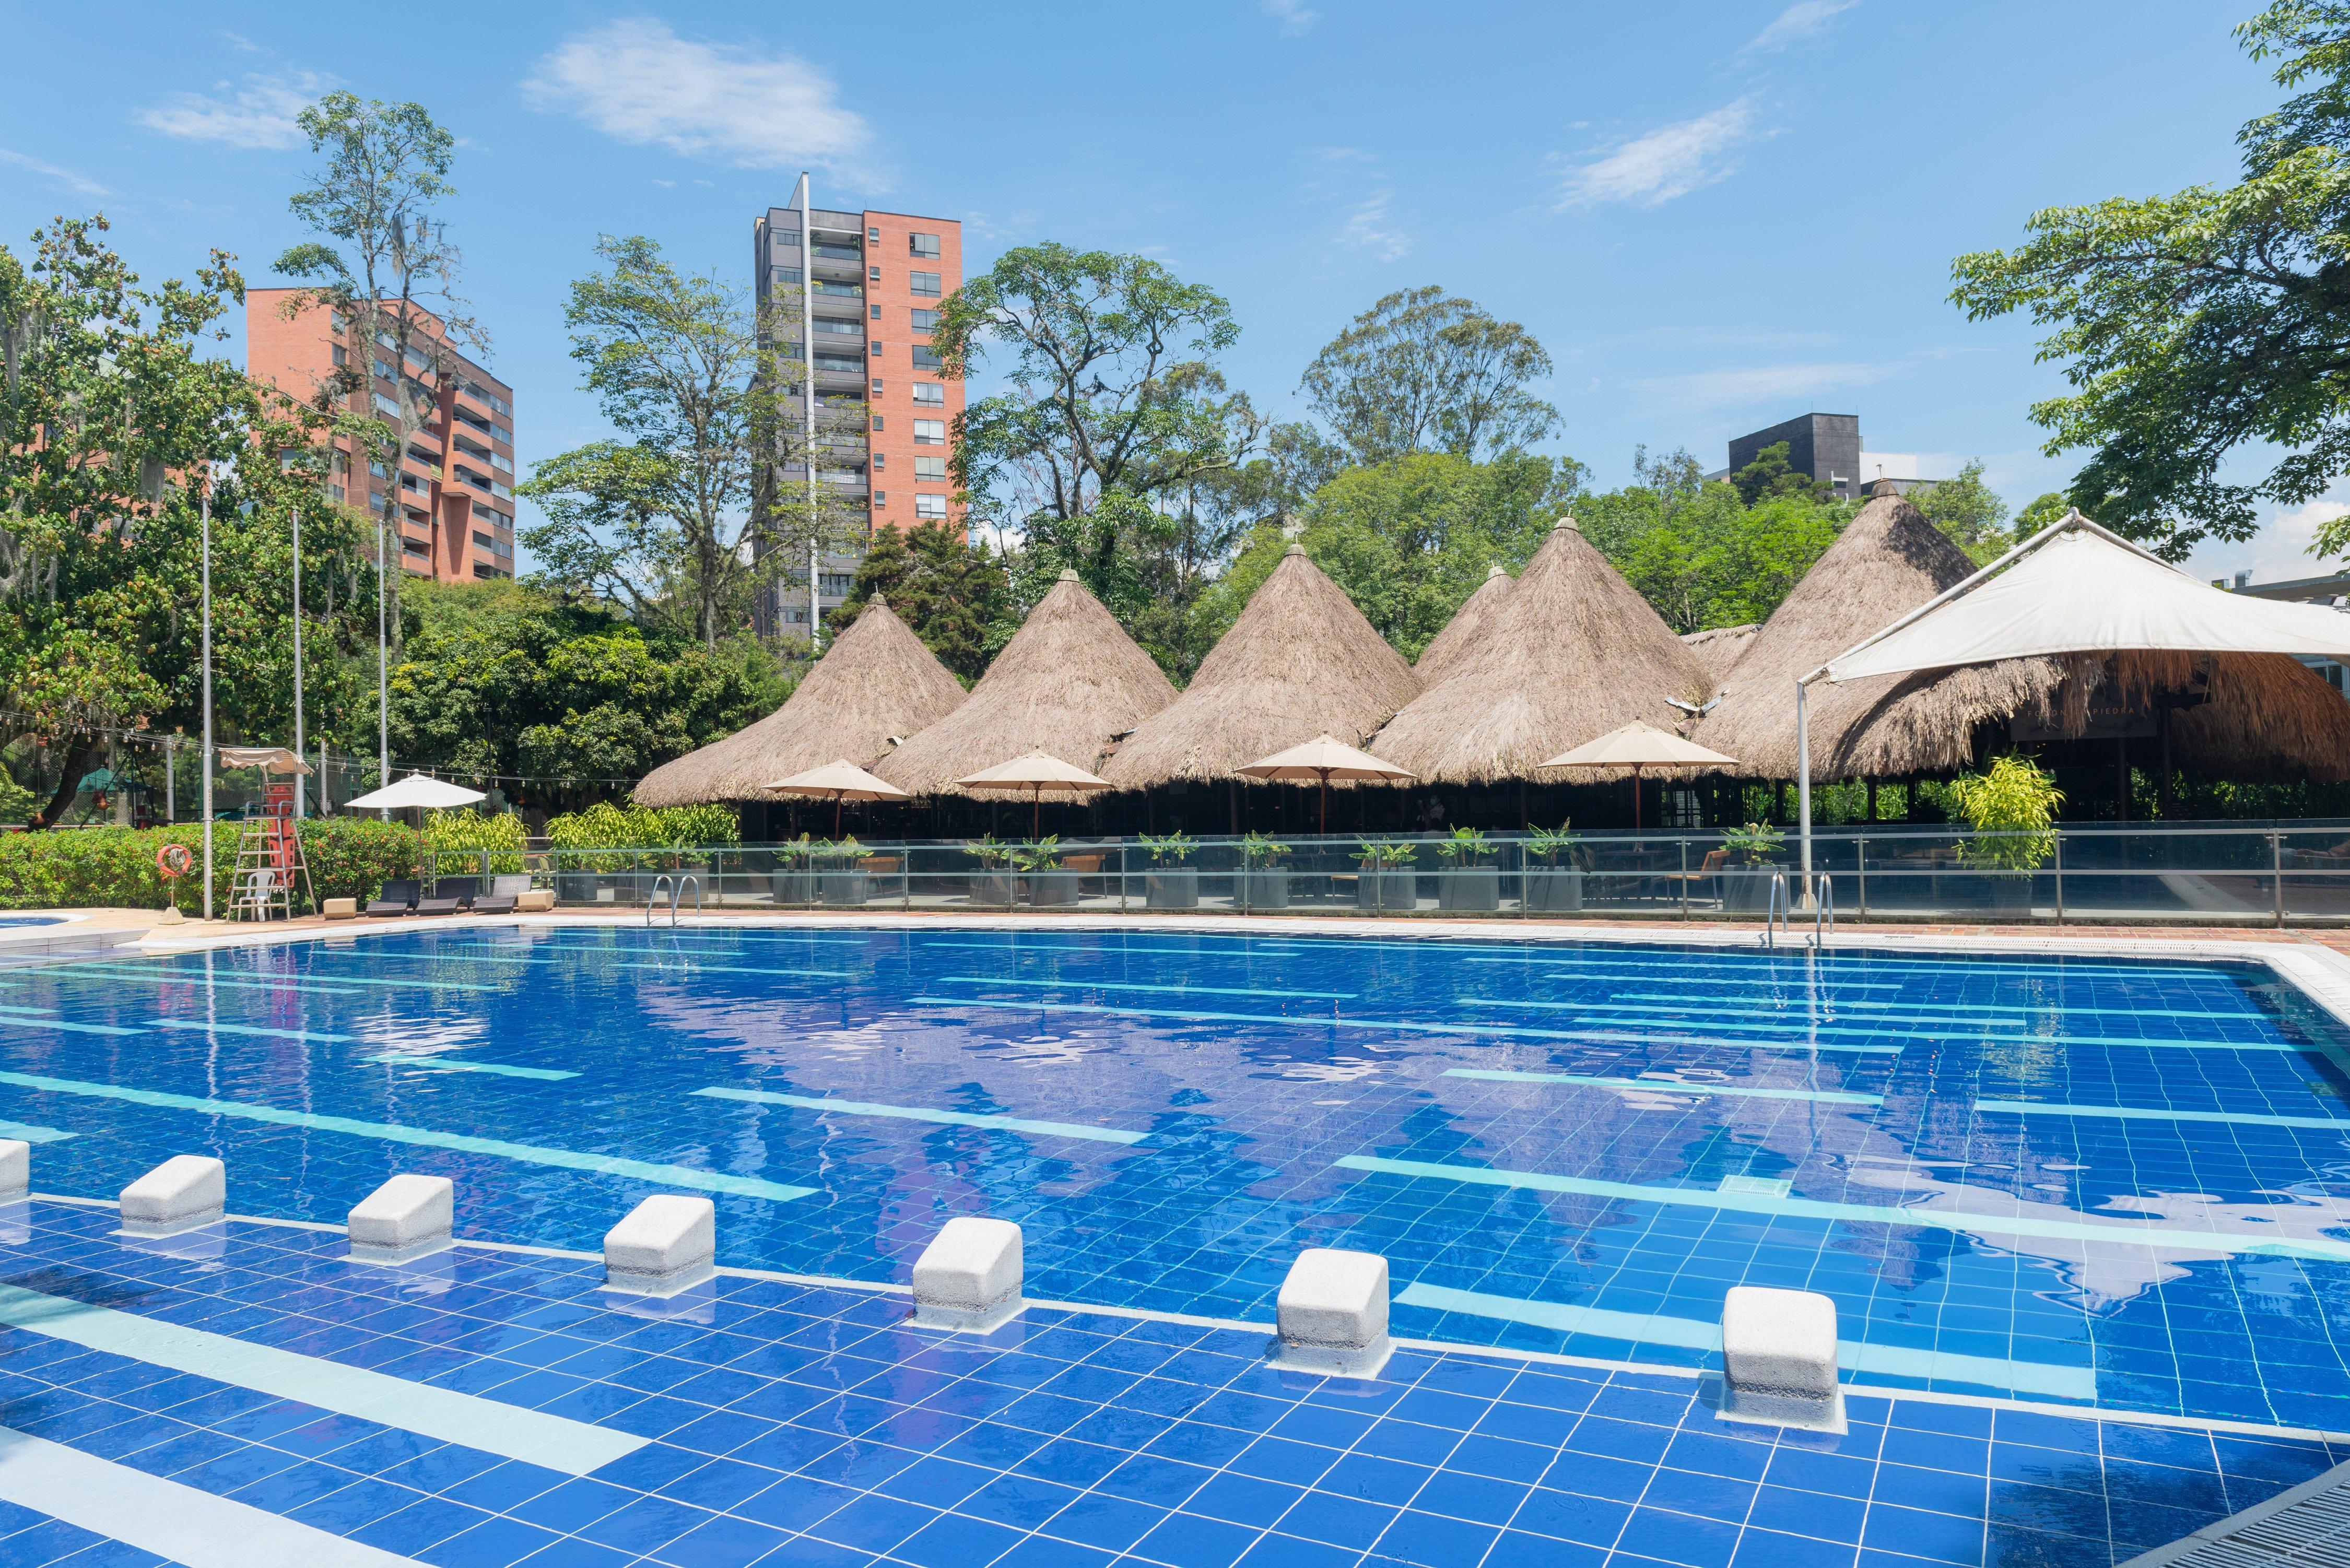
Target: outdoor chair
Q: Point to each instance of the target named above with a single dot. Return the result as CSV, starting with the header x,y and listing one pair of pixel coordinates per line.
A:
x,y
450,894
398,898
503,891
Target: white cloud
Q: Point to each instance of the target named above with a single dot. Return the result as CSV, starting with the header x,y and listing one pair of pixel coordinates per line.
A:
x,y
2278,553
1370,227
259,114
65,177
1765,384
1799,21
1651,169
1293,14
639,82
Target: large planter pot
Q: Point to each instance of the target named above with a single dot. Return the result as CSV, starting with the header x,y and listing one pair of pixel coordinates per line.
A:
x,y
2010,894
1052,889
1553,890
1746,890
996,890
1266,890
1471,888
1386,891
843,886
575,887
790,886
1177,887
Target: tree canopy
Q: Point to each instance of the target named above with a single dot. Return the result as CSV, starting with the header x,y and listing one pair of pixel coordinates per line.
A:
x,y
1422,371
949,592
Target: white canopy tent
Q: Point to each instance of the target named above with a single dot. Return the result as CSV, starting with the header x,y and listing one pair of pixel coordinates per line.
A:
x,y
416,790
2074,587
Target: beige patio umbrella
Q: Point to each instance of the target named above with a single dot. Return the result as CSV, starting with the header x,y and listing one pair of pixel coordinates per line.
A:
x,y
1636,745
1325,757
1036,773
839,781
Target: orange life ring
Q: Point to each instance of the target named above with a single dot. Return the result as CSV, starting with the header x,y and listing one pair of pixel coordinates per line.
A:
x,y
174,860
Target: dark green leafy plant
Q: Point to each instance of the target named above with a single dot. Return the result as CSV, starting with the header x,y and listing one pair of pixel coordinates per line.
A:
x,y
1257,851
1462,846
992,851
2011,809
1550,842
1388,852
1172,849
1757,842
1039,854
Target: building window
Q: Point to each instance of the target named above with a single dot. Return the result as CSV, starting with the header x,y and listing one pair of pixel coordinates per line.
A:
x,y
924,283
485,541
930,468
925,319
928,507
876,347
839,328
876,388
881,459
877,422
787,275
874,273
876,313
925,357
921,245
930,433
873,236
929,393
342,356
416,546
881,498
783,239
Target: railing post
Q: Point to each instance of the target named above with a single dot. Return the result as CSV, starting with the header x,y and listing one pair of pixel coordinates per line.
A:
x,y
2276,861
1685,909
2060,875
1860,876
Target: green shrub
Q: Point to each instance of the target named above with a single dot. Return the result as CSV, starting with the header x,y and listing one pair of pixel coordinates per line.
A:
x,y
1462,846
607,827
1757,842
1259,851
84,868
2012,808
1176,847
458,838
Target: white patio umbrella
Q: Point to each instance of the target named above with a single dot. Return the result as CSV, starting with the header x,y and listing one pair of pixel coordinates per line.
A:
x,y
417,790
2074,587
1323,758
841,780
1037,773
1636,745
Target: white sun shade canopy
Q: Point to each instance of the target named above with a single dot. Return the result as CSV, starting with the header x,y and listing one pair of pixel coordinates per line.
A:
x,y
2078,588
1036,772
1325,757
841,780
416,790
1639,745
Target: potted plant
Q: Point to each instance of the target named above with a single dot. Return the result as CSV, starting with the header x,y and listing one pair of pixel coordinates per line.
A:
x,y
1048,883
1388,880
2011,809
1554,888
993,884
790,882
1747,852
1467,883
1171,884
841,882
1263,884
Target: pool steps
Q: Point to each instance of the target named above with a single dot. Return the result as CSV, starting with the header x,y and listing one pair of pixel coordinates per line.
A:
x,y
16,1169
969,1278
1778,1359
408,1218
186,1192
1333,1315
666,1244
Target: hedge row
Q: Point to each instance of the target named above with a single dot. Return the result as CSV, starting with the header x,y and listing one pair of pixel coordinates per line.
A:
x,y
83,867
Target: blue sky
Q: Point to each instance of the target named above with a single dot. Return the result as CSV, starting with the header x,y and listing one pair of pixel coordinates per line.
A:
x,y
1713,216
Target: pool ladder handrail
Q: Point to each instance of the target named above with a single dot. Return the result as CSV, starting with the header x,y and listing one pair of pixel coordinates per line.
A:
x,y
1823,911
1776,908
676,892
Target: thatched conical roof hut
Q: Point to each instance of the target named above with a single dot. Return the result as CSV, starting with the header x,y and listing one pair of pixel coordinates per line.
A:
x,y
2256,714
1720,647
1572,653
1064,685
1300,659
1476,612
876,681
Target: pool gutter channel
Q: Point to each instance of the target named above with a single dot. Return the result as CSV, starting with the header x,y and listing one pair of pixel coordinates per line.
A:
x,y
1430,1346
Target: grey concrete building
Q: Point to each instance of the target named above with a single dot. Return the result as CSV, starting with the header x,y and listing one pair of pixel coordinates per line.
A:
x,y
1825,446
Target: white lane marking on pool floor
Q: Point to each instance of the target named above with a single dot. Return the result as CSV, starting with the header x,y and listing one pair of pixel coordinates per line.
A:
x,y
923,1114
1695,1333
2135,1113
26,1132
677,962
1136,985
212,1027
459,1065
491,1425
1406,1025
1665,1085
1974,1223
20,1021
246,979
186,1524
393,1132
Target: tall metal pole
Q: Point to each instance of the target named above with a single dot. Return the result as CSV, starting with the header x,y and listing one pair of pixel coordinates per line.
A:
x,y
171,801
807,399
297,652
1804,777
382,676
206,528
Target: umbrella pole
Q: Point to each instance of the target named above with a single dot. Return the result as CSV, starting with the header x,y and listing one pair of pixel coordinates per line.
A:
x,y
836,815
1636,797
1035,811
1326,803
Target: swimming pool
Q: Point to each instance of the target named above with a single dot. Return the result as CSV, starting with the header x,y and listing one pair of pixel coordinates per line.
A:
x,y
2059,1179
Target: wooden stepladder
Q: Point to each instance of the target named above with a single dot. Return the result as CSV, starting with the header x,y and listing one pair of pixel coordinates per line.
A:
x,y
269,861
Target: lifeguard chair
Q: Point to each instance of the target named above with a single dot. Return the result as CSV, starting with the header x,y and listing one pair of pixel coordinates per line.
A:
x,y
269,859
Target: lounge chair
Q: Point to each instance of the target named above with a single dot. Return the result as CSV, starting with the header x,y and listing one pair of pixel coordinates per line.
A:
x,y
398,898
503,891
450,894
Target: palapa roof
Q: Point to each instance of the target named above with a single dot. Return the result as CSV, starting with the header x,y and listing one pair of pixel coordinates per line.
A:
x,y
1572,653
2266,714
1067,683
1720,647
876,681
1444,649
1300,659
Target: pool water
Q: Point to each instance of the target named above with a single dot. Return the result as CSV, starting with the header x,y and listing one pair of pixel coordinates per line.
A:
x,y
2103,1182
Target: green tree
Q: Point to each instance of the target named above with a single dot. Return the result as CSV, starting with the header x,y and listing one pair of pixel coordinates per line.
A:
x,y
951,593
1769,476
662,520
1099,354
1422,371
1410,539
113,422
2195,325
2044,511
1697,551
1970,511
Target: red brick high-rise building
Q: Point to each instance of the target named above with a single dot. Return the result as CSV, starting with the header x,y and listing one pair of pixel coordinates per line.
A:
x,y
851,298
456,478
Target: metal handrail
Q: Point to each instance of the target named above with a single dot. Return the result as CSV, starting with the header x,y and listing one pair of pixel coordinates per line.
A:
x,y
1823,911
1775,909
677,891
652,897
